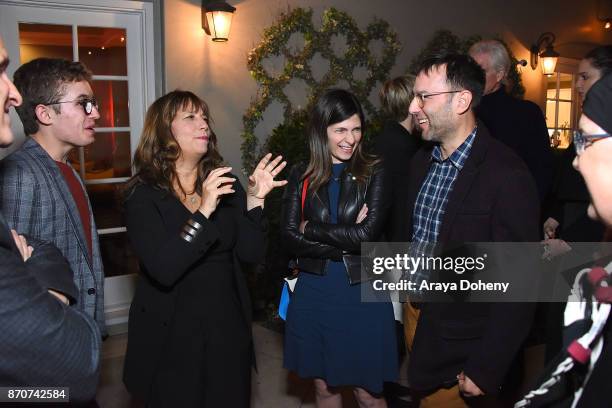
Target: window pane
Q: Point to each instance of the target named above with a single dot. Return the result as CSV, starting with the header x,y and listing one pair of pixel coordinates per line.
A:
x,y
550,113
565,93
102,49
108,156
106,204
565,86
117,255
565,114
44,40
113,99
551,86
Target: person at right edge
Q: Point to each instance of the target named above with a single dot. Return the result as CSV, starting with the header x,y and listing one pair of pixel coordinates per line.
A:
x,y
580,375
567,221
331,335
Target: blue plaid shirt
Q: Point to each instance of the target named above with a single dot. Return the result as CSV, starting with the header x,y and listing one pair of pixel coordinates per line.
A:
x,y
431,201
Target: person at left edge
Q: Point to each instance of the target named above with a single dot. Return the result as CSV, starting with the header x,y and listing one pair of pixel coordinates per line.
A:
x,y
41,194
190,223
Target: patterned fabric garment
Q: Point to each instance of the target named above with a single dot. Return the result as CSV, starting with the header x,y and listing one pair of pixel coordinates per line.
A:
x,y
433,196
36,201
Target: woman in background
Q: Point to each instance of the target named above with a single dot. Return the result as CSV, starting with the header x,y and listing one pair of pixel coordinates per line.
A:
x,y
189,222
568,219
331,335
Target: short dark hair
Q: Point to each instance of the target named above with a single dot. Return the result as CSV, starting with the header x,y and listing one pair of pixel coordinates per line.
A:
x,y
461,72
42,81
601,59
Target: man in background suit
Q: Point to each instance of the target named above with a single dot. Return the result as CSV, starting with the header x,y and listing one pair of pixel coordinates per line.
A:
x,y
41,194
519,124
45,342
464,187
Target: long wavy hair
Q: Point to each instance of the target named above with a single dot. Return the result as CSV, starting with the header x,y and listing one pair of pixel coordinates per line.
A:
x,y
334,106
158,150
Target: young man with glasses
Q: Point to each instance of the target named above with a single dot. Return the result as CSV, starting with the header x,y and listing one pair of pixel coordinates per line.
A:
x,y
464,186
44,340
41,194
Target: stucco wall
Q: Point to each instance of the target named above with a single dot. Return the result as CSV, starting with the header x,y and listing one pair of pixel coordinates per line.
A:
x,y
217,71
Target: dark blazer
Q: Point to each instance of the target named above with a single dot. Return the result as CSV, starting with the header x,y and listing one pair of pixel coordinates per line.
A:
x,y
520,125
322,240
155,220
494,199
396,146
44,342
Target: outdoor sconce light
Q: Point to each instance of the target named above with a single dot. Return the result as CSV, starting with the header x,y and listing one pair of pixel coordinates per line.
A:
x,y
605,20
549,55
217,19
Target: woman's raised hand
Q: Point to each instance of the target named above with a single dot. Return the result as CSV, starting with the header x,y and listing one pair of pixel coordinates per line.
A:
x,y
261,182
213,188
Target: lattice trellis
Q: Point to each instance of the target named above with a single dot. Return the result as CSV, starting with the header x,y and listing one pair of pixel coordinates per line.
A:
x,y
298,64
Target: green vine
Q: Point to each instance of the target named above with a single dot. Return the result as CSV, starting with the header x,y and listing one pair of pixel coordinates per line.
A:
x,y
445,41
297,65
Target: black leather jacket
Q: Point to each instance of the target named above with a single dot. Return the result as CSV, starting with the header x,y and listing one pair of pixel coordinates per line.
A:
x,y
322,240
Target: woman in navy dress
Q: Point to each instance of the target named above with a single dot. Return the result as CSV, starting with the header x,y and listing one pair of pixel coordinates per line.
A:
x,y
331,335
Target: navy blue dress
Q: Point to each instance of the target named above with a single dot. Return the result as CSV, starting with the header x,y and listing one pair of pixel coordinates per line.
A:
x,y
330,334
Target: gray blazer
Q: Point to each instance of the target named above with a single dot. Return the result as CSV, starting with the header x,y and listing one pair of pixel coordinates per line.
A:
x,y
36,201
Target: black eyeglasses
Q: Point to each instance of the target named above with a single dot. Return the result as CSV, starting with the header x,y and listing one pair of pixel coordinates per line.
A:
x,y
582,141
87,104
422,97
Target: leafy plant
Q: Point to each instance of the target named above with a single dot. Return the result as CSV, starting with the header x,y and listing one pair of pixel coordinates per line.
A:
x,y
274,43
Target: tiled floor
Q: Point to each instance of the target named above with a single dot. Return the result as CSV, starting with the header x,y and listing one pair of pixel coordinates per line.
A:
x,y
273,387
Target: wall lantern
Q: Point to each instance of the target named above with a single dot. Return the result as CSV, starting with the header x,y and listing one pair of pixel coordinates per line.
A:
x,y
604,19
217,19
549,56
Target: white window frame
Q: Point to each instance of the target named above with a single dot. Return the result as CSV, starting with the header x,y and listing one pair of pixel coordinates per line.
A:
x,y
567,66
